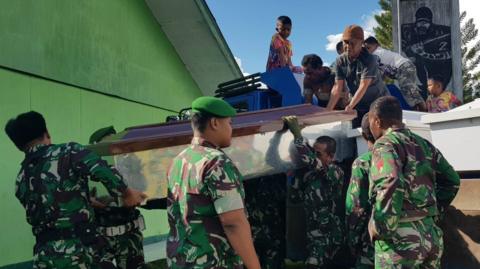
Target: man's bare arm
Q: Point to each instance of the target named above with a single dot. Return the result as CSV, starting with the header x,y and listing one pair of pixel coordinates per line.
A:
x,y
237,229
336,94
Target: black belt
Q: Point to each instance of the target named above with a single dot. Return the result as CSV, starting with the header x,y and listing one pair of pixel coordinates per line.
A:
x,y
138,223
85,233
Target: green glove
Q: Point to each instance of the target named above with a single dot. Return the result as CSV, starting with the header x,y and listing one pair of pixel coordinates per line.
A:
x,y
293,126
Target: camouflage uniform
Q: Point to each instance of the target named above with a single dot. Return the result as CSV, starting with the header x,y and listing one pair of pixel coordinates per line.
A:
x,y
121,228
407,83
52,185
411,184
321,190
358,211
125,245
405,74
265,202
202,183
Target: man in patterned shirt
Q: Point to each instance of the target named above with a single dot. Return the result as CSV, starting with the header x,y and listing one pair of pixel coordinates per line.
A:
x,y
208,224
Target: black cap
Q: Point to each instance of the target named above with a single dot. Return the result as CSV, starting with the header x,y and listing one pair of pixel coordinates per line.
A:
x,y
424,14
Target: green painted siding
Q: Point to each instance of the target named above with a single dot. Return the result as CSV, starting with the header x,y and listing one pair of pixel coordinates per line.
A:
x,y
112,46
84,65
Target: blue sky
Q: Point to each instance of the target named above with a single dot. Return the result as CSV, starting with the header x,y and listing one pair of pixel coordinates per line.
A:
x,y
248,25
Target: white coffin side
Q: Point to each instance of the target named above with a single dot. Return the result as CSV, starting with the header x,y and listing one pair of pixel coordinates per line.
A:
x,y
411,119
457,134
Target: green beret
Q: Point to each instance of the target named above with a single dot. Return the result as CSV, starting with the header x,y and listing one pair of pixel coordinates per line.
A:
x,y
100,134
215,106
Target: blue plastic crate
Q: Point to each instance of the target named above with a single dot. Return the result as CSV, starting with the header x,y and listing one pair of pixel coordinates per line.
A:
x,y
255,100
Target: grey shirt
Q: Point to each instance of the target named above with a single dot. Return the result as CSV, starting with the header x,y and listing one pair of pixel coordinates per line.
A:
x,y
364,67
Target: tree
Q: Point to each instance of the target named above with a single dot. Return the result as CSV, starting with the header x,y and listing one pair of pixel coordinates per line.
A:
x,y
470,58
384,30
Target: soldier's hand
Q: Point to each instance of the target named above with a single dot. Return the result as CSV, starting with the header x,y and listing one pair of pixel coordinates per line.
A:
x,y
372,231
349,108
132,197
292,123
96,203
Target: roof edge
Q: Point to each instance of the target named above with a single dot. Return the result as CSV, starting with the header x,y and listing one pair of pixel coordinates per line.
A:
x,y
218,35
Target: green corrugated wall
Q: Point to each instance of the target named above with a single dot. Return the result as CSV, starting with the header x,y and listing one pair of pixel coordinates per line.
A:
x,y
69,60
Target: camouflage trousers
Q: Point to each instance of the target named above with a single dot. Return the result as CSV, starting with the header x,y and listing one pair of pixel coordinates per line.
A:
x,y
62,254
366,257
416,244
126,250
324,240
407,82
265,200
71,254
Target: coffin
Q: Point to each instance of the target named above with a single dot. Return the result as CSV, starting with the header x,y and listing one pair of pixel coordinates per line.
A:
x,y
259,147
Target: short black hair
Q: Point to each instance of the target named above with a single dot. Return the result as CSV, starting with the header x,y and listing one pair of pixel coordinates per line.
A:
x,y
285,20
339,47
366,132
371,41
329,76
25,128
388,110
313,60
329,142
438,78
200,121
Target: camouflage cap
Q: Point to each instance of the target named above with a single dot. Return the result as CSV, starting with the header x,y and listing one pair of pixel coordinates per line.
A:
x,y
99,134
215,106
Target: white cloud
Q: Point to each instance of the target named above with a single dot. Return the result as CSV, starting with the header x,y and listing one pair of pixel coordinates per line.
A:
x,y
239,62
332,42
368,22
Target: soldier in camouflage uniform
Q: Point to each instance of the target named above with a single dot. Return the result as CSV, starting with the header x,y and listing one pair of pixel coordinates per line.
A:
x,y
321,189
120,227
52,185
411,184
208,224
358,206
395,66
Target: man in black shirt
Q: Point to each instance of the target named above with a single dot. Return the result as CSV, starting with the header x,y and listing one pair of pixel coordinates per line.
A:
x,y
359,69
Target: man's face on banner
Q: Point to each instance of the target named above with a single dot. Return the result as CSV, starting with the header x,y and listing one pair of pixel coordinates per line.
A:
x,y
422,27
